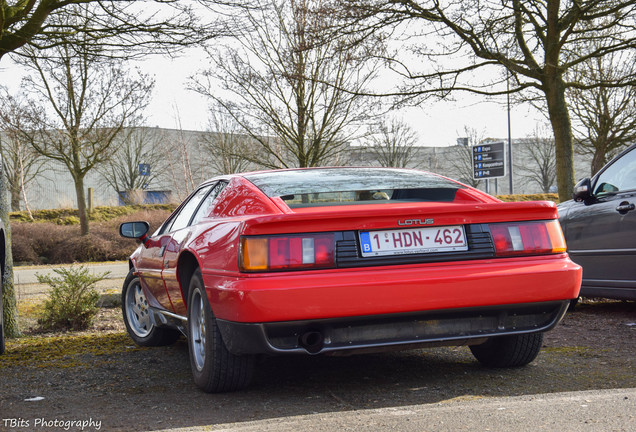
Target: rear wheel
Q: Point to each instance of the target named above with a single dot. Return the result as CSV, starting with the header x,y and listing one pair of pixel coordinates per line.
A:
x,y
214,368
508,351
137,317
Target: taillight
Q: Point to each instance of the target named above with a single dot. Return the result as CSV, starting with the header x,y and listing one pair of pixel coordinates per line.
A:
x,y
527,238
293,252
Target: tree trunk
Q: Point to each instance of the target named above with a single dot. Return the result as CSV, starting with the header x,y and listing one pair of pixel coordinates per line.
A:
x,y
13,181
23,192
303,157
15,199
81,204
560,119
598,160
9,307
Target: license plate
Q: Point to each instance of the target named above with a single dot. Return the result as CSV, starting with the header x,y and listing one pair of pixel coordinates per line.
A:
x,y
413,241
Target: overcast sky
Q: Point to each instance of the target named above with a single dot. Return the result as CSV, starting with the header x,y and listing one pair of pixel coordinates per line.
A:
x,y
437,123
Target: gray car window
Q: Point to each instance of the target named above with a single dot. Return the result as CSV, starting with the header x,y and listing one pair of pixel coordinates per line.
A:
x,y
347,186
208,203
347,179
182,219
620,176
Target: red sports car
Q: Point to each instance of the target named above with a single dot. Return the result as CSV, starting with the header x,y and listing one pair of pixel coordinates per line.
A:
x,y
345,260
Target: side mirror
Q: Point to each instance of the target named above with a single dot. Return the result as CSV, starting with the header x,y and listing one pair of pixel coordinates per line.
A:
x,y
135,230
583,190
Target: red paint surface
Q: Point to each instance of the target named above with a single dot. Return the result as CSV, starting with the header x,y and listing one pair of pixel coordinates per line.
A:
x,y
383,290
242,209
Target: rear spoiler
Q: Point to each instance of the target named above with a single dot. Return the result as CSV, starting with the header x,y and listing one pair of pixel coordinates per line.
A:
x,y
383,216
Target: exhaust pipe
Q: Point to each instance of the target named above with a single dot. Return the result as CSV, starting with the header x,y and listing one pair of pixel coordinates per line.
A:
x,y
312,341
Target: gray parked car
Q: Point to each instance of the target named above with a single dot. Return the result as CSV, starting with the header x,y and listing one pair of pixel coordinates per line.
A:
x,y
600,229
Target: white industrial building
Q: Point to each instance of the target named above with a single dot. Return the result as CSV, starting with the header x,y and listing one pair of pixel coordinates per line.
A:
x,y
187,161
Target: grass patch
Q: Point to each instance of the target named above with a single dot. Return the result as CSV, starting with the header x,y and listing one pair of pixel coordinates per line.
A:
x,y
580,350
530,197
65,351
30,311
32,308
99,214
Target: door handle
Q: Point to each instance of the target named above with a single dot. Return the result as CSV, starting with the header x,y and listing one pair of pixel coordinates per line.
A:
x,y
625,207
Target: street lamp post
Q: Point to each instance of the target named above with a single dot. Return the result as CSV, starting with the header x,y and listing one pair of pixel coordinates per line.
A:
x,y
509,137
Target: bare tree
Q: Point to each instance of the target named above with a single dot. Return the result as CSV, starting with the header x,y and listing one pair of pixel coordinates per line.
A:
x,y
124,28
535,42
430,160
462,164
21,165
90,100
119,27
139,160
290,86
392,143
537,160
231,150
604,118
9,305
189,163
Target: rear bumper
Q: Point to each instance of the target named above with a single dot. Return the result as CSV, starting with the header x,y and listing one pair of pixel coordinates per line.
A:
x,y
395,331
374,291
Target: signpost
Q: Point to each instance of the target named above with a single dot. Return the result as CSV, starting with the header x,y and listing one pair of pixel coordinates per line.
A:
x,y
144,169
489,161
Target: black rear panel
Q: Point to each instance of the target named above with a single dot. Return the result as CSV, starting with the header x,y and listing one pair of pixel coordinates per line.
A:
x,y
479,247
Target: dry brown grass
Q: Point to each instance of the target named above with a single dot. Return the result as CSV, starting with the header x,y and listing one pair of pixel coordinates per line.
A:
x,y
50,243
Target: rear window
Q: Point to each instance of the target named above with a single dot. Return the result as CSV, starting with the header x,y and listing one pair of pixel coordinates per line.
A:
x,y
347,186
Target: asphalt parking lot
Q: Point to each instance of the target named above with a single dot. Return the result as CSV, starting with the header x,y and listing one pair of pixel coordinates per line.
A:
x,y
583,380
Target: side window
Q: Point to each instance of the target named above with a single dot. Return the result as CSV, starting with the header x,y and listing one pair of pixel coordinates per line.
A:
x,y
182,219
620,176
206,206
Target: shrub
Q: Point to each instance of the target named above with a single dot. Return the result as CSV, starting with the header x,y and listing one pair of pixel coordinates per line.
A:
x,y
32,242
53,243
69,220
72,304
88,248
23,252
530,197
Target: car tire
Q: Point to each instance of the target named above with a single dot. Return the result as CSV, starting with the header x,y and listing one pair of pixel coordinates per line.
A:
x,y
508,351
214,368
139,325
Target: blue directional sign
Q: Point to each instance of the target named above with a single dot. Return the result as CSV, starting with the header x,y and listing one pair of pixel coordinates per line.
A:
x,y
144,169
489,161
